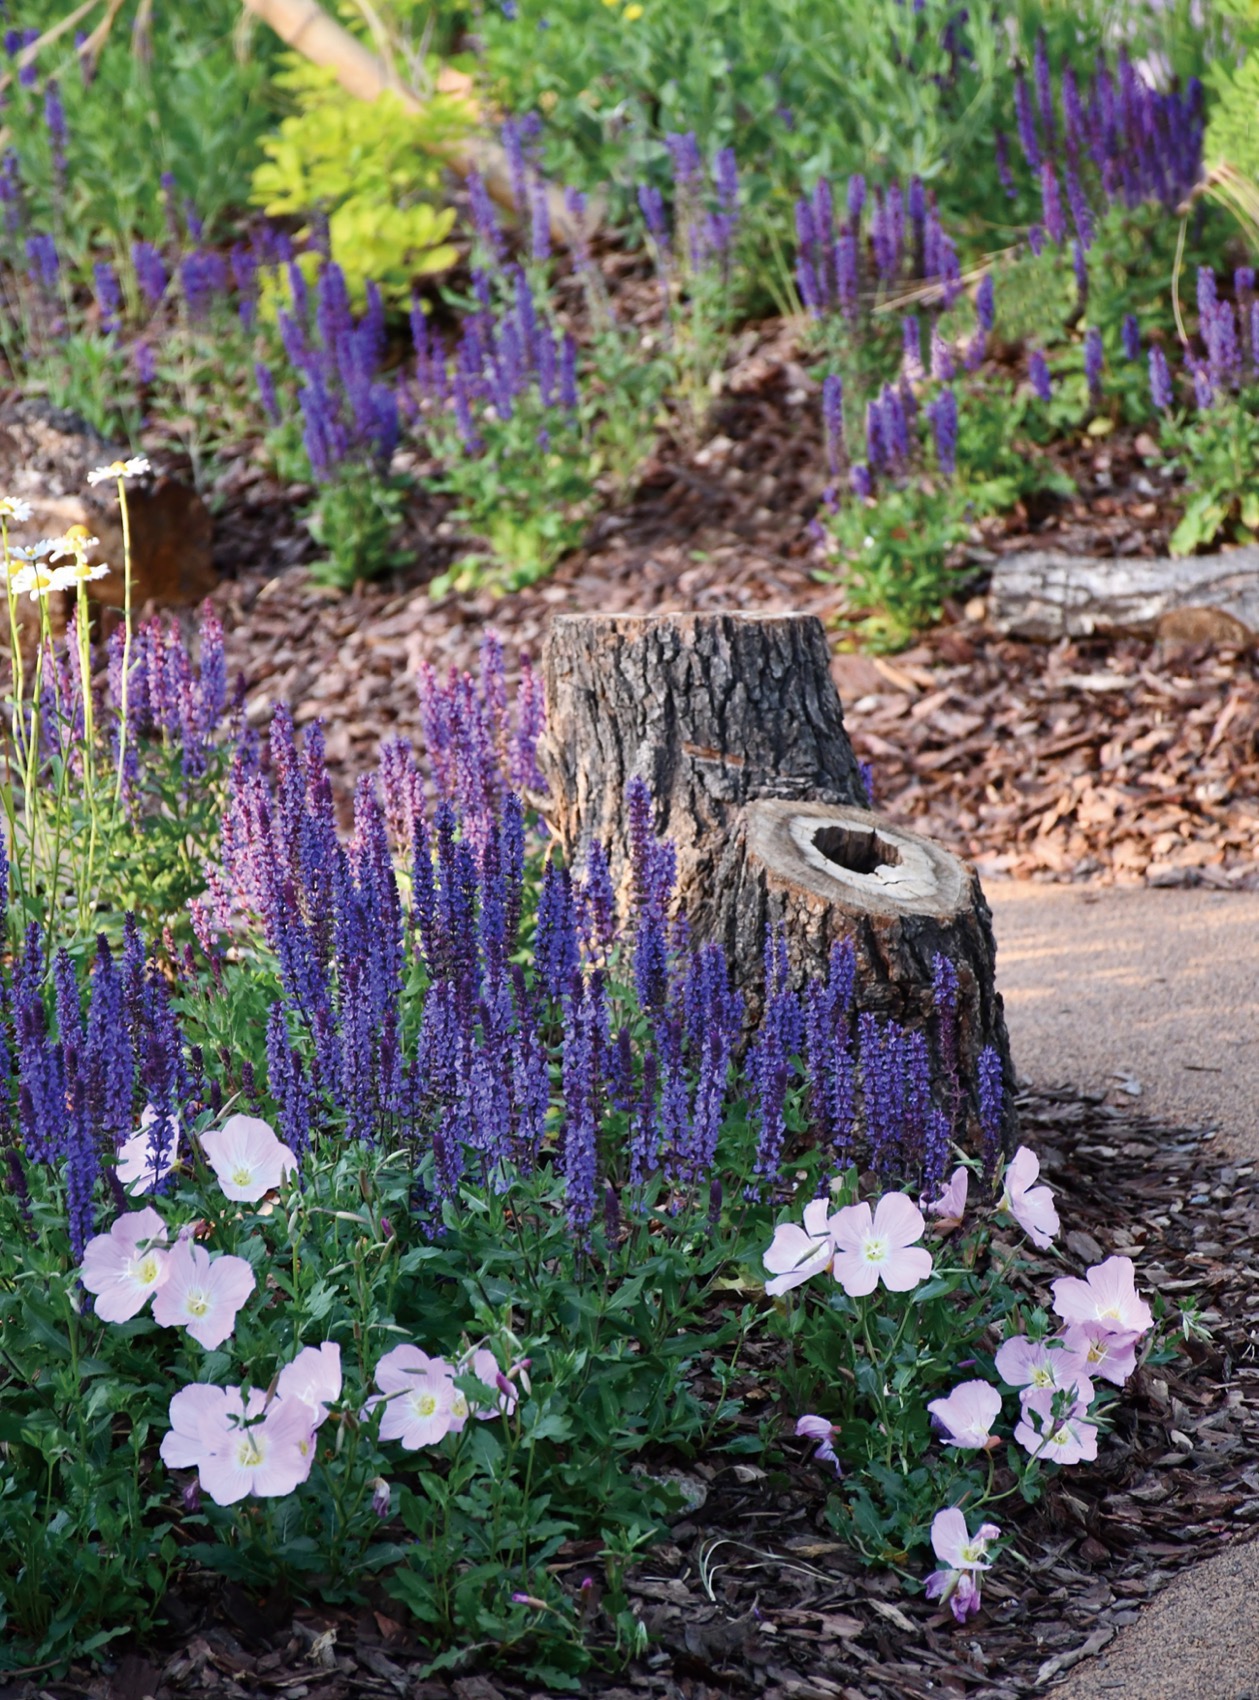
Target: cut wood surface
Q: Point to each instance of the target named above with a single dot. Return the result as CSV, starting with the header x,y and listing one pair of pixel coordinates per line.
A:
x,y
1197,598
736,725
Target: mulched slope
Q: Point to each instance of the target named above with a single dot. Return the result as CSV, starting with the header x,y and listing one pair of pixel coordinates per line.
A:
x,y
1120,762
752,1595
1110,762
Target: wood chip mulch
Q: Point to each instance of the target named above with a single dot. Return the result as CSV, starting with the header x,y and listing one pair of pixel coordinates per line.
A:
x,y
752,1595
1106,762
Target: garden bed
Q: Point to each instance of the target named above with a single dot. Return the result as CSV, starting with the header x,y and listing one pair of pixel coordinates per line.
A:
x,y
753,1595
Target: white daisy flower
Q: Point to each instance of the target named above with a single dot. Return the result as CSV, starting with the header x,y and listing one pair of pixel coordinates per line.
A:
x,y
136,467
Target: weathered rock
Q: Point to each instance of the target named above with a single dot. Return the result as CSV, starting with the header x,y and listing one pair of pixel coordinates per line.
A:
x,y
45,457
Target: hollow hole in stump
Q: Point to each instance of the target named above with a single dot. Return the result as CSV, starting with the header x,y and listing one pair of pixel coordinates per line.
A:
x,y
858,849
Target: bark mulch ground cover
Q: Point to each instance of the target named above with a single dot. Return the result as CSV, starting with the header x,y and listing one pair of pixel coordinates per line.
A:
x,y
752,1595
1108,762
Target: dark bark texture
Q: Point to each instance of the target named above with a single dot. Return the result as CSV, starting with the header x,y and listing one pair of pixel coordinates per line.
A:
x,y
736,725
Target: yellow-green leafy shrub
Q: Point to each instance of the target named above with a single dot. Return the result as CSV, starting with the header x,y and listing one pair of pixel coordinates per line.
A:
x,y
373,168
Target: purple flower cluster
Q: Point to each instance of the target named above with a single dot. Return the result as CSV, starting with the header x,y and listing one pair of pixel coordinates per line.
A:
x,y
842,262
1138,143
477,750
348,413
80,1068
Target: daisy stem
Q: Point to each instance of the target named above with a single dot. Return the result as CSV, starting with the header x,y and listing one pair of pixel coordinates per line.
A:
x,y
126,641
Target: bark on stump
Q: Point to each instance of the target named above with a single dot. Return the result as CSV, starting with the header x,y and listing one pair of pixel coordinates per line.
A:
x,y
734,722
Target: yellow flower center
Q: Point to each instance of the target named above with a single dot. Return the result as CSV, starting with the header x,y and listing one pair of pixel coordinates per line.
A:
x,y
875,1251
1042,1376
197,1303
1061,1436
1110,1314
146,1270
460,1405
248,1452
242,1174
424,1404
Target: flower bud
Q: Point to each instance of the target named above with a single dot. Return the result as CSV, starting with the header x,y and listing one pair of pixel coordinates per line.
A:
x,y
380,1497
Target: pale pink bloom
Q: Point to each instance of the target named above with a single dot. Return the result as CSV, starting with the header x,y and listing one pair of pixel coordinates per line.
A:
x,y
202,1294
314,1377
420,1398
811,1427
200,1419
1039,1363
1110,1355
951,1204
137,1168
1031,1206
796,1254
247,1158
267,1458
484,1365
125,1265
879,1247
968,1414
1108,1294
964,1557
1066,1439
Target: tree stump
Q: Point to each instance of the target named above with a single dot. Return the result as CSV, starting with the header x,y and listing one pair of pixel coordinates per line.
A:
x,y
734,722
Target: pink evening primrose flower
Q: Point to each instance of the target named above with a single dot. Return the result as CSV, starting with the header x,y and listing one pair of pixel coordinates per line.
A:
x,y
810,1427
879,1246
202,1294
796,1254
420,1398
125,1265
951,1204
1065,1439
1031,1206
239,1449
314,1378
967,1415
1110,1355
964,1558
138,1168
1107,1294
1039,1363
247,1158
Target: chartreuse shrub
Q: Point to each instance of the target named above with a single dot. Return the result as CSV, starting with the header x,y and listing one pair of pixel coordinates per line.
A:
x,y
372,170
401,1234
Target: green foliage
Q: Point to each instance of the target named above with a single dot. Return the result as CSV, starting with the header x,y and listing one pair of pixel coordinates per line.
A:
x,y
372,169
801,89
356,517
1217,451
192,104
896,555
